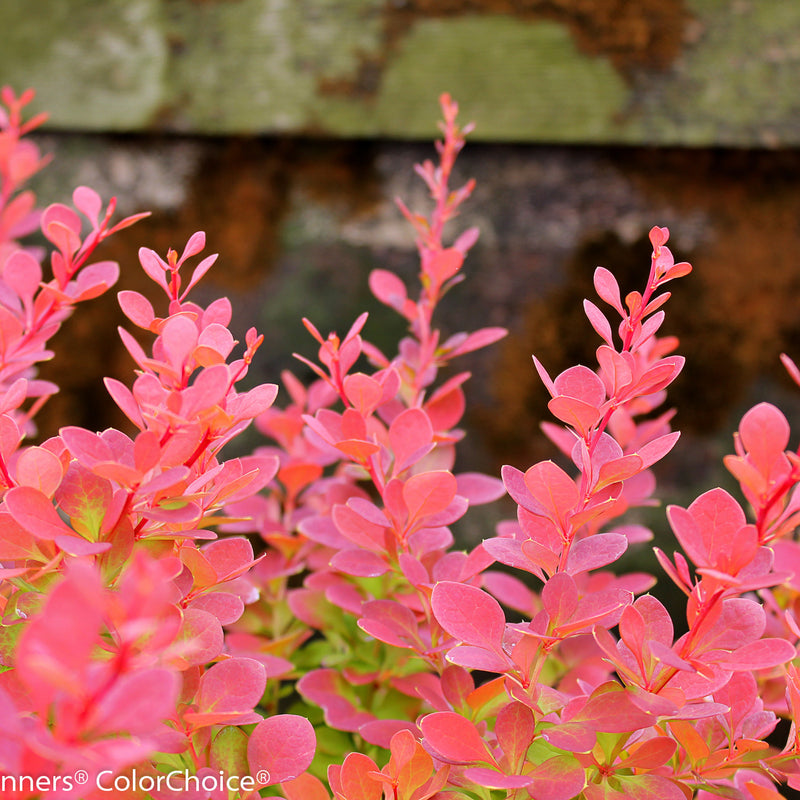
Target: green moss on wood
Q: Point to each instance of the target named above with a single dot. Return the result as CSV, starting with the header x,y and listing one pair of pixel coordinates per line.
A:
x,y
94,65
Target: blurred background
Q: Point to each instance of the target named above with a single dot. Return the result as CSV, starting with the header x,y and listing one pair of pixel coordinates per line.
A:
x,y
285,128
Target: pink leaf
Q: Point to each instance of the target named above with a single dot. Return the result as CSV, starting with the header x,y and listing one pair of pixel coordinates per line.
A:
x,y
361,563
550,486
469,614
558,778
196,243
389,289
124,398
230,556
355,779
429,493
442,264
598,321
579,415
16,543
137,308
95,279
363,392
657,448
494,779
136,703
23,274
283,746
178,338
581,383
88,202
455,739
607,288
40,469
226,607
515,728
233,685
616,369
35,512
411,437
154,267
611,710
761,654
390,622
575,737
479,488
560,598
764,431
478,658
475,341
198,273
466,240
85,446
595,552
200,638
56,646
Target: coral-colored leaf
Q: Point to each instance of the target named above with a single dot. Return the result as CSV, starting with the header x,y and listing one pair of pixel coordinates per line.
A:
x,y
455,739
23,274
428,493
40,469
137,308
362,563
235,684
595,552
611,709
136,702
761,654
515,728
35,512
411,437
657,448
363,392
478,658
479,488
553,489
225,606
478,339
651,754
303,787
560,598
494,779
88,202
765,432
607,288
124,398
283,746
356,778
391,622
557,778
95,279
201,637
389,289
469,614
599,321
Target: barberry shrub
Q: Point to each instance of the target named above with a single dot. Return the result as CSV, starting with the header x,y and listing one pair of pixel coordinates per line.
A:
x,y
299,622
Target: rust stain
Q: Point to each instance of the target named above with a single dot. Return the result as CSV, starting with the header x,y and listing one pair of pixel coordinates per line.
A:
x,y
635,35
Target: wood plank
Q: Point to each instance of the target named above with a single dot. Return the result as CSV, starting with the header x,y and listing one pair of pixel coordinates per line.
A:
x,y
676,72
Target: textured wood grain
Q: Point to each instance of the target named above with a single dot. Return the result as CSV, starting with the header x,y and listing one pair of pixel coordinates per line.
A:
x,y
524,70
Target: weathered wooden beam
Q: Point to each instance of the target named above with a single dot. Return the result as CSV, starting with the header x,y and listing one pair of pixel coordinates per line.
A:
x,y
687,72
